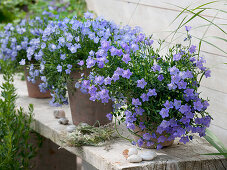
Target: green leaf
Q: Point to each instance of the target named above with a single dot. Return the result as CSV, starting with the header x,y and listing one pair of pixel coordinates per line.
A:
x,y
224,154
197,14
223,39
215,142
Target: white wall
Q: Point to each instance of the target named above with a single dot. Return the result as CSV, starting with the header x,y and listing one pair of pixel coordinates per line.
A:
x,y
155,18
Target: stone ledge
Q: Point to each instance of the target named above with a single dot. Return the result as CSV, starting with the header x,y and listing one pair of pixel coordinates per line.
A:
x,y
179,156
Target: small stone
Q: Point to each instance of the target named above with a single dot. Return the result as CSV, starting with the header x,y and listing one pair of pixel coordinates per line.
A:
x,y
134,159
59,114
70,128
148,155
125,153
63,121
132,151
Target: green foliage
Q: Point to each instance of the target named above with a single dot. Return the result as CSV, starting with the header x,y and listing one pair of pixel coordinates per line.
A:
x,y
215,142
67,8
209,13
13,9
15,131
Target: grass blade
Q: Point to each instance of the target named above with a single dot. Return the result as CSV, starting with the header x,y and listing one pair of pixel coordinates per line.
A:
x,y
215,142
224,154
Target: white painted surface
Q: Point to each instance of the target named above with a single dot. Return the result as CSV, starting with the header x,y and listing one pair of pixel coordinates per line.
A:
x,y
155,18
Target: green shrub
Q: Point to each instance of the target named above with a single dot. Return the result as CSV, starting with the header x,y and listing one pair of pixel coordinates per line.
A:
x,y
16,150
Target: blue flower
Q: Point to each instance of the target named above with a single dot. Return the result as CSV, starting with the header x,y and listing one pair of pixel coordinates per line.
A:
x,y
175,79
164,112
188,28
130,126
115,77
141,83
88,15
139,111
182,84
107,80
161,139
126,58
207,73
133,143
160,77
168,104
59,68
61,41
146,136
151,92
165,124
43,78
109,116
184,108
159,146
144,97
126,74
63,56
184,139
149,143
140,142
171,86
105,45
69,66
192,49
68,71
173,70
177,104
156,67
90,62
136,102
22,62
198,105
176,57
99,80
142,126
81,63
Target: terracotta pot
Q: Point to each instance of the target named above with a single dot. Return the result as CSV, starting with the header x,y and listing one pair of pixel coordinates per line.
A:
x,y
83,109
140,133
33,89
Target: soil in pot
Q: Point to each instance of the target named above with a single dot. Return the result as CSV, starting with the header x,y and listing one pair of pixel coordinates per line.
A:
x,y
83,109
33,89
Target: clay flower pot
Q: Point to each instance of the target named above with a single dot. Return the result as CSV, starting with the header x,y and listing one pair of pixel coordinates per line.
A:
x,y
33,89
83,109
140,133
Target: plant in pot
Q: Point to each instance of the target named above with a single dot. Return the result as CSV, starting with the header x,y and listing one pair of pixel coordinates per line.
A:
x,y
157,95
21,44
70,46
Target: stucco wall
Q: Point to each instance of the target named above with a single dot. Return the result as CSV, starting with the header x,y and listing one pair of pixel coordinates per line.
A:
x,y
155,18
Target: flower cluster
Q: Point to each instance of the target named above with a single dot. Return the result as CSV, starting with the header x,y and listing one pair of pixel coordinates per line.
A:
x,y
155,94
21,43
71,44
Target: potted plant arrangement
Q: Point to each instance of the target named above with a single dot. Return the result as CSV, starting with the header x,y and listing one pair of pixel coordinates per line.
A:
x,y
157,95
21,43
72,49
69,44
